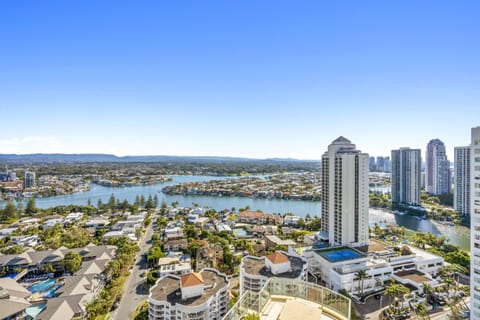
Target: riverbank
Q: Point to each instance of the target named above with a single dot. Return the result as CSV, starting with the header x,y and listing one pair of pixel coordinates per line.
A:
x,y
458,235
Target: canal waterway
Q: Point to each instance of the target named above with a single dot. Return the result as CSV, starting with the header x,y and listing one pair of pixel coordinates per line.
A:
x,y
458,235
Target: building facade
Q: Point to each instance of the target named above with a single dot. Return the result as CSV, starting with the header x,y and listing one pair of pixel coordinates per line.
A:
x,y
475,224
461,194
256,271
197,296
345,191
437,169
406,176
29,181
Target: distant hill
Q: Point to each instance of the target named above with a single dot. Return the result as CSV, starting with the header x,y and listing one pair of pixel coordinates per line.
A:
x,y
97,157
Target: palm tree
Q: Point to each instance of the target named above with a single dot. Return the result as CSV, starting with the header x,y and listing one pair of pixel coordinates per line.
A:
x,y
396,291
361,276
251,316
428,290
422,311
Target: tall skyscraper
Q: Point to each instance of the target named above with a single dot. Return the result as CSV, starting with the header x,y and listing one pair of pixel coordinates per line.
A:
x,y
388,164
380,164
371,164
437,169
461,194
29,181
406,179
345,201
475,224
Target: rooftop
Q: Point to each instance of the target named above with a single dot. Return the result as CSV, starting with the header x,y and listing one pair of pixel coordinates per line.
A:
x,y
277,257
413,275
256,265
191,279
338,254
168,288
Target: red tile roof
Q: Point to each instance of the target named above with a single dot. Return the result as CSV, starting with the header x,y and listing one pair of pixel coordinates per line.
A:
x,y
277,258
191,279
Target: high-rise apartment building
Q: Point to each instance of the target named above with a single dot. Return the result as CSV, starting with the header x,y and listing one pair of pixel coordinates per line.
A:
x,y
475,224
29,181
437,169
388,164
201,296
406,179
372,164
345,201
380,167
461,194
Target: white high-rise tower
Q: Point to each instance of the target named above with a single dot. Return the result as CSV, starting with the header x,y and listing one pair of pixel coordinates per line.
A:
x,y
461,197
475,224
345,190
437,168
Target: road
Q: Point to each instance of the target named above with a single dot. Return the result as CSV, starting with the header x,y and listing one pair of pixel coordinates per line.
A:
x,y
134,292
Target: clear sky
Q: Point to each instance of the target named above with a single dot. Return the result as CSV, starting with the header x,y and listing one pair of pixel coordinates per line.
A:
x,y
236,78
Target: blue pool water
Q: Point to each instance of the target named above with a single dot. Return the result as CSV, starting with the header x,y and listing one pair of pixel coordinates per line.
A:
x,y
33,311
340,254
42,286
52,293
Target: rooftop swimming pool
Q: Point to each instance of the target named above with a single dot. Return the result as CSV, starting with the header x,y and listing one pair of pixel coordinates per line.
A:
x,y
33,311
339,254
42,286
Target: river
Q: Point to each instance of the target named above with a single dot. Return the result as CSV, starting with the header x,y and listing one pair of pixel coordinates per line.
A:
x,y
458,235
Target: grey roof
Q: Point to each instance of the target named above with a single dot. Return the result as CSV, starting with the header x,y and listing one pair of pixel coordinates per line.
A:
x,y
256,266
71,302
32,257
15,301
341,140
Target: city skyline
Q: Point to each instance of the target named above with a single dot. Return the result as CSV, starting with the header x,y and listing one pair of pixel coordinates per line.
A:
x,y
256,80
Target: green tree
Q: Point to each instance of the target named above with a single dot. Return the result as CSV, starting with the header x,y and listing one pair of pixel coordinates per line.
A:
x,y
9,214
31,206
361,276
72,261
251,316
396,291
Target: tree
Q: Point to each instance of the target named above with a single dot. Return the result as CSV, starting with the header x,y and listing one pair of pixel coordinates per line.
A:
x,y
99,204
361,276
422,311
31,206
111,202
9,214
396,291
155,201
72,261
428,290
251,316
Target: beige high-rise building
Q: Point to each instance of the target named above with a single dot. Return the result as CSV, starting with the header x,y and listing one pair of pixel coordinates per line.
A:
x,y
345,202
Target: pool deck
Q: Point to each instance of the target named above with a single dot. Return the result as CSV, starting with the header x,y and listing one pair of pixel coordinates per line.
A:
x,y
343,254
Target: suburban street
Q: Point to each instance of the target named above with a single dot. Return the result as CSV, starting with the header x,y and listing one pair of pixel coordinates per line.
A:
x,y
134,292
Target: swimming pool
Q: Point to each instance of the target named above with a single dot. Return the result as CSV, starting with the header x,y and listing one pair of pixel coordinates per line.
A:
x,y
52,293
33,311
340,254
42,286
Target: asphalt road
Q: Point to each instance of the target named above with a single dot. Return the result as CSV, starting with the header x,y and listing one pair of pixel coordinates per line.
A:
x,y
134,291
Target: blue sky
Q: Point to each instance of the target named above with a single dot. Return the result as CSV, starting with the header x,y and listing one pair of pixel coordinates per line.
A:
x,y
236,78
